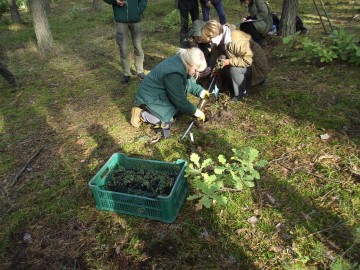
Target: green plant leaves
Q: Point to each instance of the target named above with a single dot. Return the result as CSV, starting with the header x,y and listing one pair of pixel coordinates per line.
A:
x,y
195,159
340,45
211,178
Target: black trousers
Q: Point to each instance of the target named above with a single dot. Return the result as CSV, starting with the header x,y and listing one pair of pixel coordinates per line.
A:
x,y
184,15
248,27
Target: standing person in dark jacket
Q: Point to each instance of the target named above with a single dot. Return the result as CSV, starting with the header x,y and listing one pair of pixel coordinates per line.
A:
x,y
259,22
127,16
187,7
163,91
205,8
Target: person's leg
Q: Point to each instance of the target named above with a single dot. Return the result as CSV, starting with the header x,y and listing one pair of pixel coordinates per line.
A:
x,y
221,13
136,35
148,117
194,13
241,80
249,28
9,77
122,36
184,18
205,11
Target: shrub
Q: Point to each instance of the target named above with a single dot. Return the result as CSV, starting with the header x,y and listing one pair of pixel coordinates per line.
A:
x,y
211,178
172,20
340,45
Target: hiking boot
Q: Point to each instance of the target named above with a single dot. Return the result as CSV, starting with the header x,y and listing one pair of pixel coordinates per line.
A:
x,y
125,79
136,117
141,75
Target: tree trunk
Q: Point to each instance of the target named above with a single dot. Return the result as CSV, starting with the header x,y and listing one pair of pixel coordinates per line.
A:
x,y
14,11
41,26
96,5
288,18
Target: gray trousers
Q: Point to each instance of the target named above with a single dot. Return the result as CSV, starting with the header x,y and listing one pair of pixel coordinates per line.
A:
x,y
241,80
122,39
148,117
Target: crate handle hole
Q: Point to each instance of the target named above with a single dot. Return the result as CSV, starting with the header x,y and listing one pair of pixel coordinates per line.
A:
x,y
104,173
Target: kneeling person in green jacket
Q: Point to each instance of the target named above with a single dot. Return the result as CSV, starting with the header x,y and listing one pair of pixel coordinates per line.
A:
x,y
163,91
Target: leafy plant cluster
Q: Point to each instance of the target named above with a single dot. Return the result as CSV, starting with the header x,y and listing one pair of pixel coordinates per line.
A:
x,y
172,20
141,182
212,178
340,45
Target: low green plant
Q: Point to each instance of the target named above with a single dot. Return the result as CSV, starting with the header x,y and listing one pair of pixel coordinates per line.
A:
x,y
340,45
172,20
212,178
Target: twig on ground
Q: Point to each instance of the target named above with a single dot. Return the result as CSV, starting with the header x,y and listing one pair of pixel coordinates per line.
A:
x,y
17,176
328,229
280,158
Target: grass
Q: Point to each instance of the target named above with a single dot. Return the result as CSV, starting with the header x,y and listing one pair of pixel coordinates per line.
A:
x,y
72,103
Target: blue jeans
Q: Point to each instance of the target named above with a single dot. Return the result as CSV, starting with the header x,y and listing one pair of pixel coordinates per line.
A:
x,y
122,39
219,9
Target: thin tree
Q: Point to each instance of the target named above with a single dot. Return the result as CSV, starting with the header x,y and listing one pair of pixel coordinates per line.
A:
x,y
96,5
288,18
14,11
41,26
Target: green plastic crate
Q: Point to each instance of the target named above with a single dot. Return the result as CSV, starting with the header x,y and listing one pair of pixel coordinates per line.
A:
x,y
163,208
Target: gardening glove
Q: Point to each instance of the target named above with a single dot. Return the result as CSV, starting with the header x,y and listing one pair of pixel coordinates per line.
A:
x,y
219,63
204,94
200,115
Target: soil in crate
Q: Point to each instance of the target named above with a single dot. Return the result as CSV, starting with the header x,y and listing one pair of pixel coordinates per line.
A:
x,y
141,182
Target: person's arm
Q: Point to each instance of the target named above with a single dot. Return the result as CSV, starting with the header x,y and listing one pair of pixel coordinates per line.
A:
x,y
263,10
176,93
110,2
243,56
194,88
142,5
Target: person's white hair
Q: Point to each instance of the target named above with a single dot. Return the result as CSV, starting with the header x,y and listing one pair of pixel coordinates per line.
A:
x,y
193,58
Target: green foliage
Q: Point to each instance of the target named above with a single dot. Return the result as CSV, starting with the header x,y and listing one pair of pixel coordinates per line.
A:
x,y
4,6
172,20
342,264
340,45
211,178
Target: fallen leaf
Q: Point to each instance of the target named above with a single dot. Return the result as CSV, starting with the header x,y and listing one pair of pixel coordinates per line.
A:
x,y
240,231
324,136
27,238
253,220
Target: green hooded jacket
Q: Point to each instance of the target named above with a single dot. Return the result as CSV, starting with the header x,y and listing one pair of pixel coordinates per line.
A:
x,y
260,11
130,12
164,89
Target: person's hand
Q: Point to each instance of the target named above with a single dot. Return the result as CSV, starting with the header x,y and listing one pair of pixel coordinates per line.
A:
x,y
219,64
120,2
204,94
200,115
